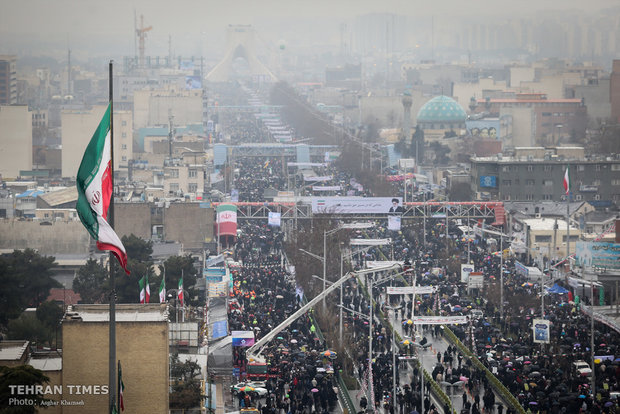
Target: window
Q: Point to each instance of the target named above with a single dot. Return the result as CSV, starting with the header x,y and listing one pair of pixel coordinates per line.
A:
x,y
505,168
615,182
547,183
124,158
192,187
547,168
124,123
615,167
174,173
573,238
597,167
597,196
124,135
529,182
541,238
596,182
174,187
546,114
192,174
529,197
530,168
547,197
506,183
506,197
581,168
578,197
124,146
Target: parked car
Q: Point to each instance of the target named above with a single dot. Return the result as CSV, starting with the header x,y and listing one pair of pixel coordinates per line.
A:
x,y
582,368
259,387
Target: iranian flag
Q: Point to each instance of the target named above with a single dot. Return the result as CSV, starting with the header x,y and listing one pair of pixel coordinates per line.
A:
x,y
94,185
566,181
180,291
121,388
162,290
227,220
148,290
141,283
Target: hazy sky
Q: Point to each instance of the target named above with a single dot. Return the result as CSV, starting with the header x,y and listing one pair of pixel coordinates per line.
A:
x,y
191,23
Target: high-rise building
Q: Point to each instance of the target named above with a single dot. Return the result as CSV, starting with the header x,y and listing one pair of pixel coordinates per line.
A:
x,y
614,89
15,140
8,79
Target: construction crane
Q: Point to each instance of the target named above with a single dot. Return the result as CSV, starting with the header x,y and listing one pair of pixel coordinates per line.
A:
x,y
254,352
141,34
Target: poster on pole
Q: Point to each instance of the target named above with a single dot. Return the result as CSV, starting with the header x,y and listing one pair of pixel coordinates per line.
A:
x,y
394,223
541,329
274,219
475,280
466,269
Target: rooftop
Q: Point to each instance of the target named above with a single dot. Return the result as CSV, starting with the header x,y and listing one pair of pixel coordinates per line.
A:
x,y
543,224
152,312
46,363
60,197
13,350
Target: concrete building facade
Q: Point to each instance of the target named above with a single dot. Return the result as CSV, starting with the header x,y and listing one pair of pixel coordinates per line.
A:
x,y
78,127
15,140
8,79
155,107
141,347
537,175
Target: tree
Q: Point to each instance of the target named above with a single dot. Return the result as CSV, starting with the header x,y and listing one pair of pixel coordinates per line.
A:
x,y
175,266
139,263
90,282
30,328
186,391
50,314
20,375
26,279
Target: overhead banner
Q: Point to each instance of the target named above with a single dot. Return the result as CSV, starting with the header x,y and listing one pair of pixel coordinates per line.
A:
x,y
242,338
370,242
219,329
326,188
356,205
218,289
319,178
305,164
274,219
541,328
408,290
394,223
466,269
439,320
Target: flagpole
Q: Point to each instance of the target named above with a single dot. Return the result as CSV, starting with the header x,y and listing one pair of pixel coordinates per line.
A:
x,y
118,387
112,345
568,214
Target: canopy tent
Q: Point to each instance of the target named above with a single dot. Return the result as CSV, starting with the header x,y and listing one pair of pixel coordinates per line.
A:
x,y
557,289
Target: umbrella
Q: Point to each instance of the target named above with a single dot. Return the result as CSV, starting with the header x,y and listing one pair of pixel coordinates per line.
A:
x,y
405,342
608,404
314,390
329,353
279,297
246,388
293,341
409,322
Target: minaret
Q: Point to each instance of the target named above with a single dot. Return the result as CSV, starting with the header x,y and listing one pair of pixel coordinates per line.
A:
x,y
407,101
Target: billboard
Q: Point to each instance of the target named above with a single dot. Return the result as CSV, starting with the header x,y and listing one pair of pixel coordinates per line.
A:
x,y
541,328
483,128
356,205
466,269
394,222
489,181
242,338
408,290
598,254
193,82
439,320
274,219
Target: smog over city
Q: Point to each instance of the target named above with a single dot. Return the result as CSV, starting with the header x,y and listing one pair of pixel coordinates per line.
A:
x,y
345,206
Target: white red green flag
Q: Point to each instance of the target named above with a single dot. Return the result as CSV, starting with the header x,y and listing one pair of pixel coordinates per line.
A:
x,y
180,291
162,290
226,220
94,185
141,283
566,181
121,388
148,289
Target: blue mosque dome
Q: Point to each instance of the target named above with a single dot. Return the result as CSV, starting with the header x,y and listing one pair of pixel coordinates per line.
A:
x,y
441,110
